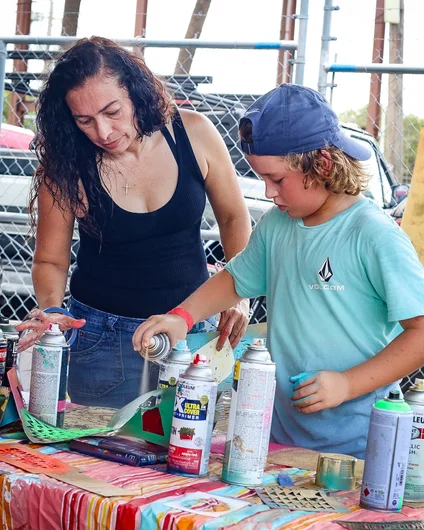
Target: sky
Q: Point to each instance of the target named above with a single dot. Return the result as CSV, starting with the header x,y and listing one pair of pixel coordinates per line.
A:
x,y
247,71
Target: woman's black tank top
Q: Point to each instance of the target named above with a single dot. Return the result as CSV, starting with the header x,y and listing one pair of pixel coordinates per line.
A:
x,y
146,263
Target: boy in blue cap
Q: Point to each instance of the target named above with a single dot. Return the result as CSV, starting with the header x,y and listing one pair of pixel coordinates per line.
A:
x,y
344,286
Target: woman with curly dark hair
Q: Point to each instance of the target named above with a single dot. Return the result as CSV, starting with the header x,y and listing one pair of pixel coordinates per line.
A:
x,y
117,156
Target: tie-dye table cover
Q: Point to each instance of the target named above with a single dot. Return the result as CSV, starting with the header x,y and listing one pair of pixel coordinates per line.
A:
x,y
35,502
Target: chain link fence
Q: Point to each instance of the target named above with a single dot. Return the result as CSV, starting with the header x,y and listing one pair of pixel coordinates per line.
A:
x,y
396,131
386,87
26,70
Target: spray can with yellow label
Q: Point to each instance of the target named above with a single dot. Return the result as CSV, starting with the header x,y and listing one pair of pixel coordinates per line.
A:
x,y
249,424
414,487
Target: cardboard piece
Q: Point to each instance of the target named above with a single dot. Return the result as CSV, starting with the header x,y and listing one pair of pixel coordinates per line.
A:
x,y
305,459
35,462
38,431
11,412
143,418
8,413
220,361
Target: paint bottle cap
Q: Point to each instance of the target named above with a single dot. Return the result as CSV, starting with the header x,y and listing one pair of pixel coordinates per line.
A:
x,y
394,395
181,345
200,359
419,384
54,328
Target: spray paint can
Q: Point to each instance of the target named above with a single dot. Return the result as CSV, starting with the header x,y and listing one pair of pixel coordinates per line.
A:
x,y
192,422
158,348
174,365
47,398
249,423
3,354
387,453
414,487
11,354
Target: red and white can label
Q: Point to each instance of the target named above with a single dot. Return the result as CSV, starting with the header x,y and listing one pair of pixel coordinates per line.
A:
x,y
192,423
414,487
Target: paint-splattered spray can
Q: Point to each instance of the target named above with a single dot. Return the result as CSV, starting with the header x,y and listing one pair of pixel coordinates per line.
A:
x,y
249,424
414,487
174,365
11,354
192,422
3,354
47,395
387,453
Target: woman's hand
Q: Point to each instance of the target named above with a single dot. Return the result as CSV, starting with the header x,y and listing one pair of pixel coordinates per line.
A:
x,y
37,323
314,391
173,325
233,324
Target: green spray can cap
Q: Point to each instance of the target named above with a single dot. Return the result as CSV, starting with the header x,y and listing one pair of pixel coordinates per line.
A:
x,y
394,402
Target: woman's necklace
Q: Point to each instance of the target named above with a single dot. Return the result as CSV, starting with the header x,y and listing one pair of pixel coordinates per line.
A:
x,y
127,186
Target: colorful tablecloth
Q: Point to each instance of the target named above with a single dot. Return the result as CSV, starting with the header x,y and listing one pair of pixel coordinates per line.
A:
x,y
35,502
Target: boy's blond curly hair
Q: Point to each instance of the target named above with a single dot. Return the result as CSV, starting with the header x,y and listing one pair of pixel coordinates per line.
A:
x,y
346,175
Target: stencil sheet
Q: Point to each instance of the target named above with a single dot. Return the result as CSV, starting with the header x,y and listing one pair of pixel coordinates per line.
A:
x,y
41,432
390,525
299,499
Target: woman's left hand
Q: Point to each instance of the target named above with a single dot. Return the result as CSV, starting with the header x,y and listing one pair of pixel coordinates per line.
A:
x,y
233,324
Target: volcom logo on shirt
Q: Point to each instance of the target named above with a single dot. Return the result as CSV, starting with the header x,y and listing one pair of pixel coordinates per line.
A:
x,y
324,272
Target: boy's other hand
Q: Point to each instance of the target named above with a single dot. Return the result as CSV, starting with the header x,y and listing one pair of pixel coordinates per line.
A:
x,y
314,391
173,325
233,324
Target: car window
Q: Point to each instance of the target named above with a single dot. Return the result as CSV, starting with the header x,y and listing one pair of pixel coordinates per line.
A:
x,y
374,190
379,188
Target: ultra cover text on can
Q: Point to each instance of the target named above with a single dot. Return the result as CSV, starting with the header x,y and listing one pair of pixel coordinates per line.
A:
x,y
191,431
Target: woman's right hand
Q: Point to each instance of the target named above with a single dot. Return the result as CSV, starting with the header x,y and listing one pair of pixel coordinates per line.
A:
x,y
173,325
37,323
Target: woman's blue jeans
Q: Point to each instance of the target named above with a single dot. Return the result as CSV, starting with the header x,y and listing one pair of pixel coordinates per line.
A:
x,y
104,369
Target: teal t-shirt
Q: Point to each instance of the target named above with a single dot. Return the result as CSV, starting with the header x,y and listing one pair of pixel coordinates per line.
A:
x,y
335,295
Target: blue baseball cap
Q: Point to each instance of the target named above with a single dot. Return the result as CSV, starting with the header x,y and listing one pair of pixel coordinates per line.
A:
x,y
295,119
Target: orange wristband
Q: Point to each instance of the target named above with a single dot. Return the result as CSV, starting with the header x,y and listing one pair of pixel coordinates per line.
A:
x,y
183,314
